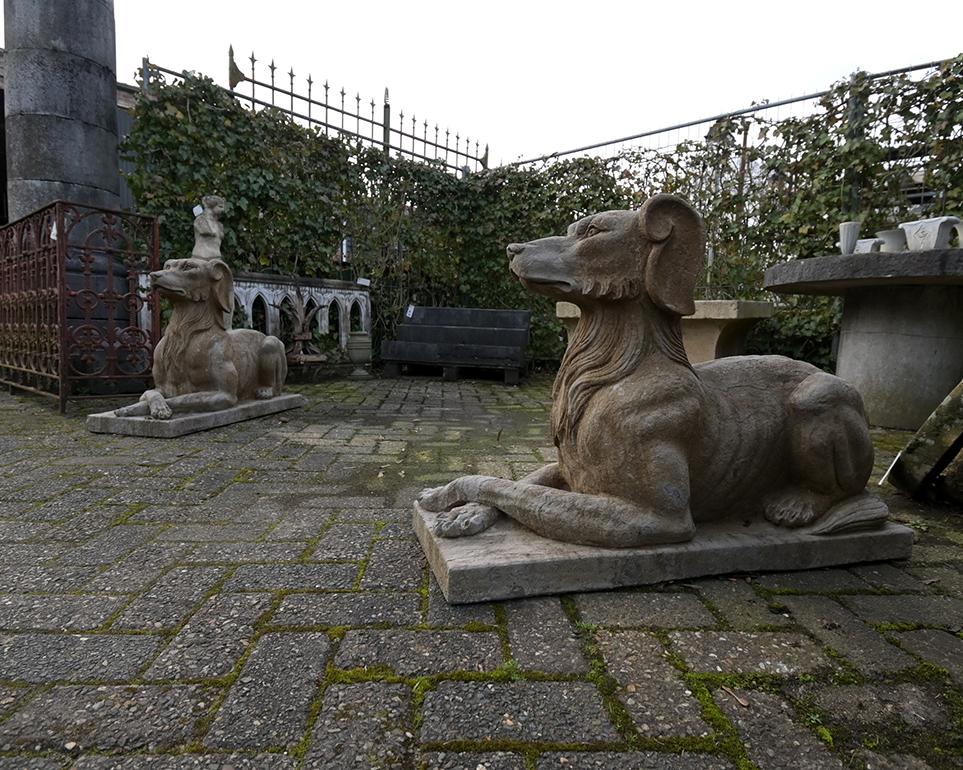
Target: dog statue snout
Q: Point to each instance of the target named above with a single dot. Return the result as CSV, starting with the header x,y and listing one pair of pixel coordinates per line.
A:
x,y
514,249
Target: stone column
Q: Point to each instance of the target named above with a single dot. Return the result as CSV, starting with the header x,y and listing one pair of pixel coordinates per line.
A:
x,y
61,93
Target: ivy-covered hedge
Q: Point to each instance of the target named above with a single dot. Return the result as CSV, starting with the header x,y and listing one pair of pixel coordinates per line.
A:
x,y
424,236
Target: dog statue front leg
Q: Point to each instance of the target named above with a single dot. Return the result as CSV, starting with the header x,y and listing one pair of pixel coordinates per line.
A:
x,y
151,403
471,518
613,521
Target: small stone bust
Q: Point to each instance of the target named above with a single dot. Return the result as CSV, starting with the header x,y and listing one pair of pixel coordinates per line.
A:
x,y
208,230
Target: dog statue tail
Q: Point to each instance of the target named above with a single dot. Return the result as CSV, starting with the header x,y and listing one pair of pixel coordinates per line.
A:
x,y
855,514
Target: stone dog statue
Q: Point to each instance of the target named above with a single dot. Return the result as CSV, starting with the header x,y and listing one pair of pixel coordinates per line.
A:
x,y
201,364
648,445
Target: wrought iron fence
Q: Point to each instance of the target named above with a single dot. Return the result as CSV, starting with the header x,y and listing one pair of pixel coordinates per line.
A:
x,y
668,137
335,112
76,316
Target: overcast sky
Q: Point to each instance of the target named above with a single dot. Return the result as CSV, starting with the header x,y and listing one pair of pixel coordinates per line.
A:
x,y
529,76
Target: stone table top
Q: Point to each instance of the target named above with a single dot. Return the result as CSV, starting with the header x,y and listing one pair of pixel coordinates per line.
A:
x,y
836,274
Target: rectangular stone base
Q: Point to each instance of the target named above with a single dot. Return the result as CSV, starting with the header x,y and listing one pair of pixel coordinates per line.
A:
x,y
508,561
108,422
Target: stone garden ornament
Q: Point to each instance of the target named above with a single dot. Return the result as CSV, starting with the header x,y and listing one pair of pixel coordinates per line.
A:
x,y
208,230
201,365
651,448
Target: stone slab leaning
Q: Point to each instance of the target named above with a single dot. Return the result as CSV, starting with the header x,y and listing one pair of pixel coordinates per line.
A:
x,y
652,450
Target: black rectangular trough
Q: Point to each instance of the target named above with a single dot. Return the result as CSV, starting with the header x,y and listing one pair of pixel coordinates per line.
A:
x,y
460,337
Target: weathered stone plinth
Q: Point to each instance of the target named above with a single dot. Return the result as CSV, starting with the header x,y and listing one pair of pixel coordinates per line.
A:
x,y
108,422
508,561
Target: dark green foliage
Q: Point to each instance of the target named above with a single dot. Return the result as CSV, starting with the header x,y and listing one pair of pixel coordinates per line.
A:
x,y
769,191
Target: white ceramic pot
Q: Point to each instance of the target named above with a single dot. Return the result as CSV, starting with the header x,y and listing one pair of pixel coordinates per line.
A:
x,y
848,235
894,241
928,234
867,245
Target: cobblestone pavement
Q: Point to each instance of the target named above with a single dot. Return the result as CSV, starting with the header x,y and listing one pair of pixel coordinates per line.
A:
x,y
253,597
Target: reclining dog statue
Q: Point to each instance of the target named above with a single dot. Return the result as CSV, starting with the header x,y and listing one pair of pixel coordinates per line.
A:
x,y
201,364
648,445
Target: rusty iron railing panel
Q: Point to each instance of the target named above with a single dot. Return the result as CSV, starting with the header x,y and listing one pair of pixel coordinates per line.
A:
x,y
76,315
30,318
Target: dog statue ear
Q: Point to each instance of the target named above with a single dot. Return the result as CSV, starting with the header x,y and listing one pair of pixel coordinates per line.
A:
x,y
677,235
223,291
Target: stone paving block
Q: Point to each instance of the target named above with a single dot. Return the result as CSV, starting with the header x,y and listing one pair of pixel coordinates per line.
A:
x,y
419,653
888,577
739,604
838,628
33,553
208,483
74,657
940,580
28,578
542,638
878,704
747,652
441,613
108,718
268,704
110,545
465,760
346,503
152,491
188,762
274,577
10,696
303,524
67,504
344,541
182,514
772,735
873,761
395,564
40,489
925,610
650,687
570,712
32,763
213,640
21,531
366,725
168,601
364,608
814,581
936,647
136,571
215,533
89,525
57,613
644,608
240,553
631,760
934,554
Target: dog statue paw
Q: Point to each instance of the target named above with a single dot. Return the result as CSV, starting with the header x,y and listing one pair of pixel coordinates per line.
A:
x,y
465,520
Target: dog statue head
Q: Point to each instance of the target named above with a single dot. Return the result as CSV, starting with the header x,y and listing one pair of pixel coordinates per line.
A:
x,y
656,251
198,280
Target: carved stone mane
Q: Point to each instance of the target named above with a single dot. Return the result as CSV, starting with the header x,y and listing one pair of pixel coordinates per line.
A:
x,y
609,343
188,319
